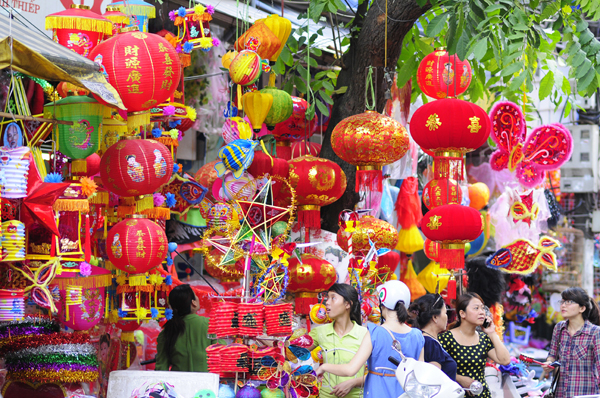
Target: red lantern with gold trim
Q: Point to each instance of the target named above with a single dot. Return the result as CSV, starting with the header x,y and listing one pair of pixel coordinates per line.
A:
x,y
452,226
295,128
441,192
432,250
143,67
381,233
441,75
370,141
318,182
386,266
133,167
136,245
308,278
207,175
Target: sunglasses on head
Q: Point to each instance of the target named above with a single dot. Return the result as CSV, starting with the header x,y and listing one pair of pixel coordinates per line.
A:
x,y
449,310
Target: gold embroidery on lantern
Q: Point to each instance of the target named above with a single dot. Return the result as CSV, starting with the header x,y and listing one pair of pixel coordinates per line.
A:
x,y
433,122
327,274
294,178
321,178
474,127
139,35
434,222
304,273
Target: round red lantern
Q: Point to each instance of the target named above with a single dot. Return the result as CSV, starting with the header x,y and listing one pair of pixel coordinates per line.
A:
x,y
369,140
296,127
136,245
432,250
308,278
441,192
265,164
386,266
452,226
207,175
143,67
305,148
381,233
133,167
318,182
441,75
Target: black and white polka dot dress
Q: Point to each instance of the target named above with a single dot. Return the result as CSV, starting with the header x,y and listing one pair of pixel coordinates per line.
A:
x,y
470,360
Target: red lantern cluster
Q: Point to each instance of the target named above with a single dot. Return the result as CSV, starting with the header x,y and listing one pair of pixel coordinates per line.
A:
x,y
307,278
441,75
136,245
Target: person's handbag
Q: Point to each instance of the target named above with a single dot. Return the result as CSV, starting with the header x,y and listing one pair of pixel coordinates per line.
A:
x,y
554,385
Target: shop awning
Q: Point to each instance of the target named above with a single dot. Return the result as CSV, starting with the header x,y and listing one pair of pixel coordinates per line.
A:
x,y
36,55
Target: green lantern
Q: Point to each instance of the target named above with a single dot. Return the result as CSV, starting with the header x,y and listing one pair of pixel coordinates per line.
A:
x,y
282,107
82,138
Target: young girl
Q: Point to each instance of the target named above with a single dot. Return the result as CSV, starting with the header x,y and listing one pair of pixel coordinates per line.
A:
x,y
376,347
340,340
471,349
576,345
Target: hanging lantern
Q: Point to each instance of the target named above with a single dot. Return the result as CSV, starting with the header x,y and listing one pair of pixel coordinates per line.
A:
x,y
441,75
281,109
432,250
82,138
135,167
66,89
386,266
79,28
245,68
318,182
257,105
305,148
308,278
382,234
266,164
370,141
281,27
267,43
207,175
441,192
236,128
112,131
119,20
296,127
139,10
136,245
452,226
143,67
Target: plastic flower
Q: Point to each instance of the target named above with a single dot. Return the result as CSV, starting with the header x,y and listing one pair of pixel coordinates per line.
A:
x,y
122,314
85,269
121,279
178,48
179,135
88,186
156,132
210,9
168,314
175,123
175,168
191,112
169,110
169,260
199,9
171,201
154,313
159,199
169,280
141,313
174,133
216,42
188,47
172,15
53,177
182,12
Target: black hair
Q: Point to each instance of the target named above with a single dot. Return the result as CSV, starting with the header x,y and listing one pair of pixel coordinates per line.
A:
x,y
401,312
461,305
105,338
425,308
581,297
350,295
180,301
488,283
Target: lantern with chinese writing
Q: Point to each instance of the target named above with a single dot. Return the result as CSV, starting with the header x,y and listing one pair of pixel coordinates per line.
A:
x,y
135,167
370,141
136,245
139,10
381,233
308,278
441,192
119,20
143,67
318,182
441,75
452,226
79,28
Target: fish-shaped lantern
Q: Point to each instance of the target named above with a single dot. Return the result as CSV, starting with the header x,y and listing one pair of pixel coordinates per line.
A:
x,y
523,257
237,157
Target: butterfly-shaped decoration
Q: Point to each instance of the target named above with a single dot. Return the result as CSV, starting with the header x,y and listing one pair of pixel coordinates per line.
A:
x,y
187,193
304,382
40,279
547,147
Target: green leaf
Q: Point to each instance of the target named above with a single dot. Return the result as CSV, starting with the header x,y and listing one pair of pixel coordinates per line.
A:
x,y
436,25
322,108
340,90
592,48
289,86
316,10
462,46
286,57
578,58
300,85
302,71
546,85
451,38
568,107
550,10
520,26
583,70
316,51
312,62
566,86
331,75
512,68
494,7
533,4
421,3
279,67
517,35
316,85
480,49
424,47
585,37
328,85
406,71
328,98
516,83
581,26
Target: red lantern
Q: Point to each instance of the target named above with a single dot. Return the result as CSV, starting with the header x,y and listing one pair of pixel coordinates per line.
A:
x,y
441,192
79,28
305,148
370,141
266,164
207,175
119,20
381,233
136,245
386,266
441,75
452,226
296,128
133,167
318,182
432,250
143,67
308,278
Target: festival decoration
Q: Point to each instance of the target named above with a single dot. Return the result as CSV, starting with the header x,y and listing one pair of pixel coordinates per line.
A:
x,y
318,182
139,11
282,106
278,319
386,266
479,195
434,278
443,191
143,67
309,276
370,141
260,39
40,280
282,28
207,175
158,389
382,234
15,171
265,164
547,147
236,128
193,28
79,28
409,213
136,245
294,128
441,75
12,304
305,148
13,241
452,226
119,20
246,68
523,257
237,157
257,105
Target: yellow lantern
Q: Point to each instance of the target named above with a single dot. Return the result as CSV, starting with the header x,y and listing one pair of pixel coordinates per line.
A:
x,y
257,106
281,27
227,58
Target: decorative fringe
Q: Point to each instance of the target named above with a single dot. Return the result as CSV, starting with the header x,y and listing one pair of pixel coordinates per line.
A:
x,y
369,180
87,282
168,141
78,23
125,211
81,205
127,201
128,337
120,19
109,266
79,166
309,217
451,289
137,119
138,280
452,258
145,203
132,289
158,212
133,9
185,59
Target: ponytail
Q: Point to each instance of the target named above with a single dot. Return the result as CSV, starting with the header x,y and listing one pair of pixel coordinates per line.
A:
x,y
180,301
580,296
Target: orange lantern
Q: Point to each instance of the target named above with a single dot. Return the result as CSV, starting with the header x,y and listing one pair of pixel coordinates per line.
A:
x,y
308,278
370,141
382,234
269,44
441,75
452,226
479,195
318,182
207,175
143,67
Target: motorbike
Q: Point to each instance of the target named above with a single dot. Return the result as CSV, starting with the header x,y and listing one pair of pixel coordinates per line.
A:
x,y
423,380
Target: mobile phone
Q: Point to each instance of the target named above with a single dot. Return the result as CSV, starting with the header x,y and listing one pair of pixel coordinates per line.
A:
x,y
486,324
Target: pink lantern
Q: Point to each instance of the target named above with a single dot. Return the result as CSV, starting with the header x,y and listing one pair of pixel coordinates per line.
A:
x,y
296,128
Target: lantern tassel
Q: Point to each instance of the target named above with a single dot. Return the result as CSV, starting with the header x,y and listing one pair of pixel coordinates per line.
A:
x,y
81,205
145,203
79,166
158,212
76,23
99,198
309,216
137,280
369,180
452,256
304,301
451,289
88,239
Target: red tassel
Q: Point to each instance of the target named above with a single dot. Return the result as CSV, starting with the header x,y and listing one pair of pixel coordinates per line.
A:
x,y
369,180
452,258
309,218
451,289
88,240
408,205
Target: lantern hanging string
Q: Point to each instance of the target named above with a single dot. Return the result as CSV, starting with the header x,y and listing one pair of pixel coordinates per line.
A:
x,y
385,39
369,86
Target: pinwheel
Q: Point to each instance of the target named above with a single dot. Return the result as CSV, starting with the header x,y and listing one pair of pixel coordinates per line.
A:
x,y
275,370
304,382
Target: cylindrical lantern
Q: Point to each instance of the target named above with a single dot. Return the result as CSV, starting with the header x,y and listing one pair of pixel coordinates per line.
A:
x,y
308,278
119,20
281,109
441,192
441,75
452,226
136,245
135,167
296,127
370,141
382,234
139,10
318,182
79,28
112,131
143,67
